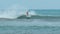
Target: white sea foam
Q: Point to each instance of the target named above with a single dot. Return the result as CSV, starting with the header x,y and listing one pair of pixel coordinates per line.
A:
x,y
13,11
33,13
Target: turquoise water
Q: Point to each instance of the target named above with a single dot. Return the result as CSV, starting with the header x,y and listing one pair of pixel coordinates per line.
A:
x,y
29,26
51,12
43,25
29,30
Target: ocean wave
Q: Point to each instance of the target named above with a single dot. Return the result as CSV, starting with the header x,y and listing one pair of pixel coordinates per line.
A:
x,y
33,17
21,14
39,17
17,11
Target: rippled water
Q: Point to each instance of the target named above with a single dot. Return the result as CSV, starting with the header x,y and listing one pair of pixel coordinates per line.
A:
x,y
48,22
29,26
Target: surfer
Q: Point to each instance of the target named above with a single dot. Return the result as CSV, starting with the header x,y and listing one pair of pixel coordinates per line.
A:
x,y
27,14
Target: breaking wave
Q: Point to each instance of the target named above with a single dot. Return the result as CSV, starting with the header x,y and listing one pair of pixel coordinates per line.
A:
x,y
16,11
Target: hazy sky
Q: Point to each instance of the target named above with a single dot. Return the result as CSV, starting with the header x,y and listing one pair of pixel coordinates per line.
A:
x,y
31,4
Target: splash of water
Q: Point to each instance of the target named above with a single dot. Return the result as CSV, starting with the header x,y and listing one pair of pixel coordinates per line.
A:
x,y
14,11
33,13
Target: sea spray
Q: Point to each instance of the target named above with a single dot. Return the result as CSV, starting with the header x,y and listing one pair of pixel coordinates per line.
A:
x,y
13,12
33,12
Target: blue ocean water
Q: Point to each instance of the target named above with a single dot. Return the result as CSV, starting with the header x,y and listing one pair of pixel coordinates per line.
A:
x,y
9,24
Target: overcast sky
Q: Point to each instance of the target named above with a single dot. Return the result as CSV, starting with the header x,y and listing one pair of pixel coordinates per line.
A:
x,y
31,4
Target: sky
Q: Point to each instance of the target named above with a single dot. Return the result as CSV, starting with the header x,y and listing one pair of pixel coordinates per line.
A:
x,y
31,4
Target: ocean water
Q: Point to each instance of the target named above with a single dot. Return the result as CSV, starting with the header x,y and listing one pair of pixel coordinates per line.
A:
x,y
49,23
